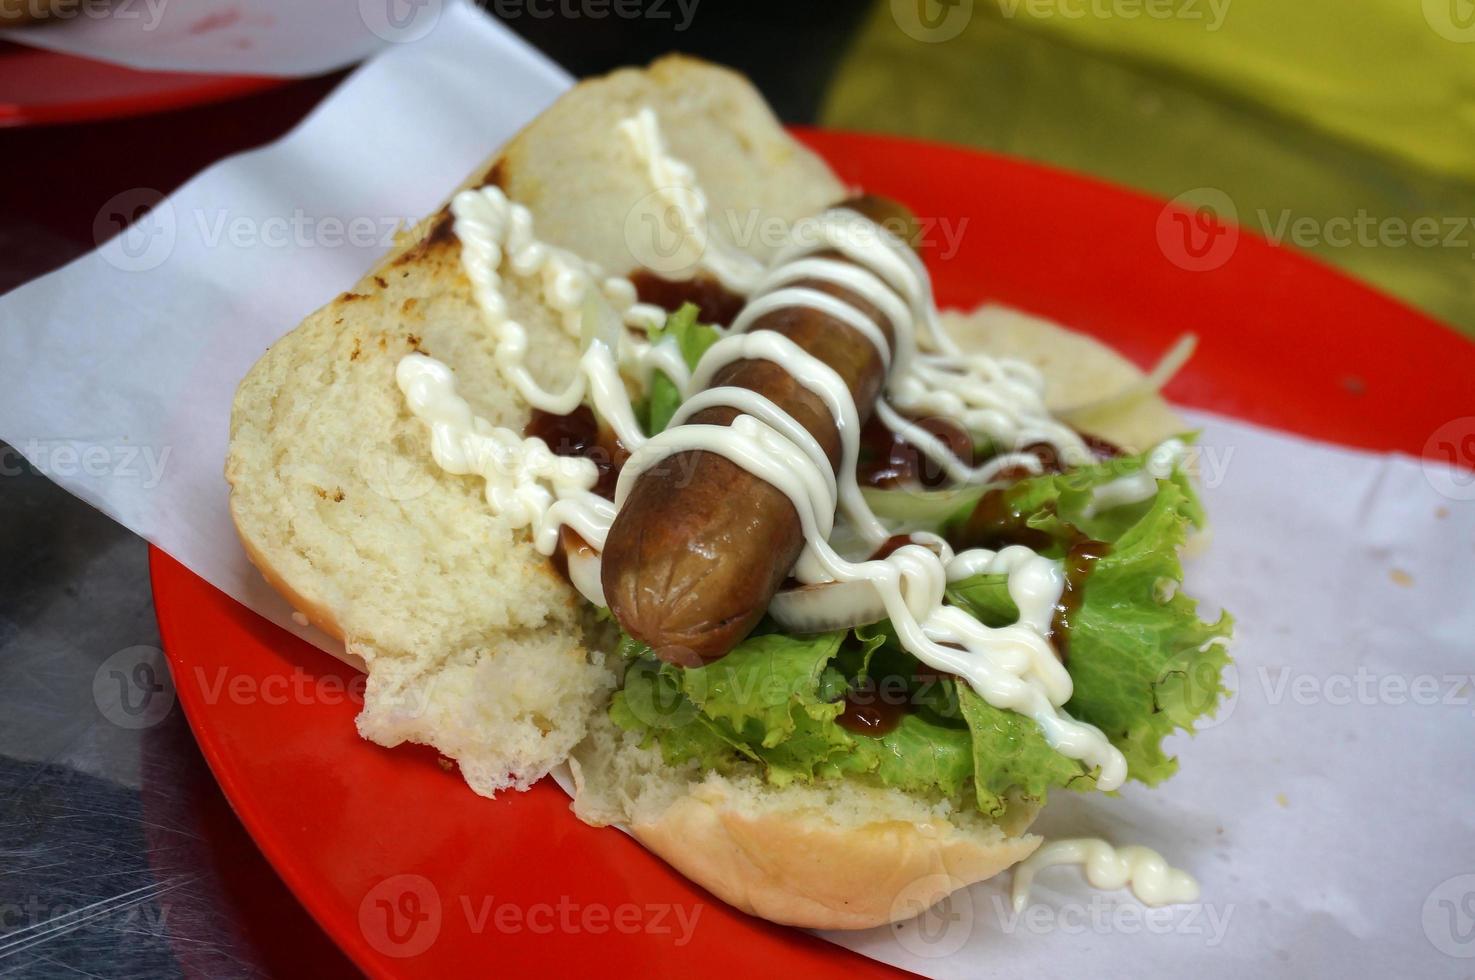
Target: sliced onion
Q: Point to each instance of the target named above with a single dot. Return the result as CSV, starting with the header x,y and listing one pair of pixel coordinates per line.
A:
x,y
1167,366
599,321
585,569
828,606
921,509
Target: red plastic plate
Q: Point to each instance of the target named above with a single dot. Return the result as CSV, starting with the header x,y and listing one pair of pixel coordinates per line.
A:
x,y
413,875
48,87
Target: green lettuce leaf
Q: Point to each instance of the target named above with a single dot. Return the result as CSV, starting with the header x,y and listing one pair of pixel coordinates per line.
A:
x,y
778,695
760,687
1064,498
922,754
774,700
1011,759
693,339
1142,662
1143,665
1004,752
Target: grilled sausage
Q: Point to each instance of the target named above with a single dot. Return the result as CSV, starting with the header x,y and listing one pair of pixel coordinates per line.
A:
x,y
700,545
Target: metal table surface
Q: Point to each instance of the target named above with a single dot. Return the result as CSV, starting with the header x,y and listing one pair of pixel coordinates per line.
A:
x,y
119,856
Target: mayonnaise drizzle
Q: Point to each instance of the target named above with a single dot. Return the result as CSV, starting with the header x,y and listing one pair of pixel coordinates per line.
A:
x,y
857,279
821,379
1001,399
1152,880
675,182
889,259
1133,488
1012,667
492,228
526,483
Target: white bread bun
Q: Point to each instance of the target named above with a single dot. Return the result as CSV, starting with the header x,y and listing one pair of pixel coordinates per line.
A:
x,y
590,194
472,642
831,855
1078,370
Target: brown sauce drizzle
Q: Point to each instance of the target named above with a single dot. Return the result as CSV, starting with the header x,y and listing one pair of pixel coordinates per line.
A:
x,y
996,524
1050,459
926,674
890,545
568,540
887,460
580,434
871,712
715,302
1100,448
1080,562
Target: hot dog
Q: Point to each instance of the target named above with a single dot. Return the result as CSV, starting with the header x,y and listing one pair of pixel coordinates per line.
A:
x,y
700,546
389,496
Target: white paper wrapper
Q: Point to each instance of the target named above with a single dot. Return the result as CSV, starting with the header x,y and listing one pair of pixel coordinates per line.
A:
x,y
233,37
1328,812
1327,807
118,370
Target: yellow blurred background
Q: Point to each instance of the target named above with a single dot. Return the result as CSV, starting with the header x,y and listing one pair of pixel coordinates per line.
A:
x,y
1346,129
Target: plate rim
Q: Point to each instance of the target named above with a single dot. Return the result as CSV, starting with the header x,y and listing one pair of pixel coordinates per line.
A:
x,y
840,148
193,89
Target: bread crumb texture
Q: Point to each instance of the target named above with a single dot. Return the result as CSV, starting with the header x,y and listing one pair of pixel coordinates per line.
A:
x,y
840,854
473,643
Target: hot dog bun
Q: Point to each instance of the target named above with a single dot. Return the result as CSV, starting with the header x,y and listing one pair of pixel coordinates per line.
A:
x,y
838,855
473,644
590,195
1078,369
844,855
